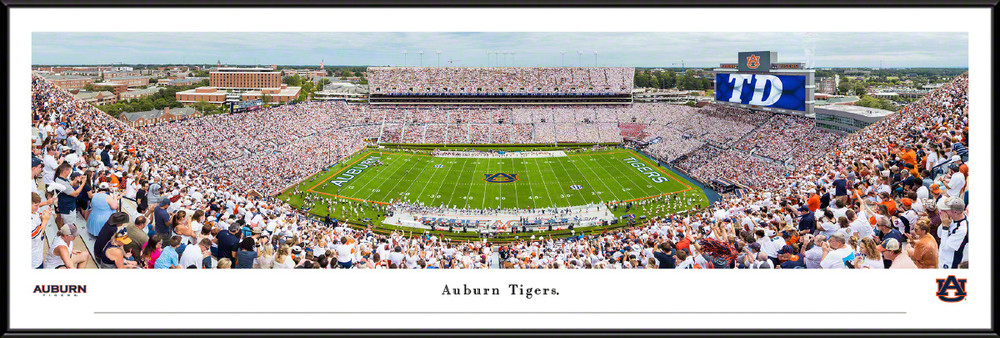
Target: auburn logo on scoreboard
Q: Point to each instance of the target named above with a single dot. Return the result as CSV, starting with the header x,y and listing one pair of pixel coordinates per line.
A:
x,y
500,178
753,61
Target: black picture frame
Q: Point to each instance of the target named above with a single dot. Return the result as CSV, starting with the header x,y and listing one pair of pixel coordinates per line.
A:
x,y
8,4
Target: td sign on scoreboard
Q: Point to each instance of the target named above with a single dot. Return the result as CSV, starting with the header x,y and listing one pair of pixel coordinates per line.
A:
x,y
765,90
758,81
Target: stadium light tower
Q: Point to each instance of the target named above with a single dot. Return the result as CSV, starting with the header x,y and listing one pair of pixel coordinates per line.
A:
x,y
595,58
404,58
563,58
421,58
579,58
512,63
439,58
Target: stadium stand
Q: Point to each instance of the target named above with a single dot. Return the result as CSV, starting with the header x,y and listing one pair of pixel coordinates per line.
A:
x,y
806,200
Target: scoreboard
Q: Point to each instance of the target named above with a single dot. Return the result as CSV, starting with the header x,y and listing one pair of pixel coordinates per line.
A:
x,y
757,81
242,106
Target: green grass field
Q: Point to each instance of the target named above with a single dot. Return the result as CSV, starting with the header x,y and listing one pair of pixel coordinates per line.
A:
x,y
617,175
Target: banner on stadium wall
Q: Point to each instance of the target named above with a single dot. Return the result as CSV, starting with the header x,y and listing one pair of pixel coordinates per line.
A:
x,y
765,90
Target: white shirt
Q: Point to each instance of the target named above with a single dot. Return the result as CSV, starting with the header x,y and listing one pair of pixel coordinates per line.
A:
x,y
813,257
192,256
196,228
344,253
288,264
688,263
72,159
956,184
951,241
827,228
257,222
131,188
396,257
868,263
862,227
49,170
837,259
37,238
52,260
932,159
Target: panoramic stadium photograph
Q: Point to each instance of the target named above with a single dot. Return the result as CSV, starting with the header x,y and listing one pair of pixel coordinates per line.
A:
x,y
494,150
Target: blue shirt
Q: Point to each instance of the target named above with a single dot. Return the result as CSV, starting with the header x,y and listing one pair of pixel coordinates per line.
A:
x,y
893,234
960,149
840,186
162,218
168,258
808,222
227,243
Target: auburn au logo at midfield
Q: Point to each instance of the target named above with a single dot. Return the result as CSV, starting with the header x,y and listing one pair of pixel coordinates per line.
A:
x,y
500,178
753,61
957,286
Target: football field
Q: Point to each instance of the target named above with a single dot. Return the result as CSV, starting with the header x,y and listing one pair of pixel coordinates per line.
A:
x,y
382,176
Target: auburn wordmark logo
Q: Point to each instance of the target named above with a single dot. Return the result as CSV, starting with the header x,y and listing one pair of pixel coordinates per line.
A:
x,y
957,287
753,61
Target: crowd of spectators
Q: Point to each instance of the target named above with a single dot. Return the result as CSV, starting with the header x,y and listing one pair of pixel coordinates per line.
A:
x,y
892,195
500,80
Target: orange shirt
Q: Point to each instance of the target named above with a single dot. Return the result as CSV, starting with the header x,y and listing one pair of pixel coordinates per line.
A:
x,y
909,157
925,253
813,203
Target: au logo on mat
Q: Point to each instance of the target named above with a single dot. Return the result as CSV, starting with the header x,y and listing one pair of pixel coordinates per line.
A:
x,y
500,178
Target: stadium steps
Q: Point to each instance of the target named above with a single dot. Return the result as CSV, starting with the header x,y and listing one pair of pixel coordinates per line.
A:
x,y
381,128
494,260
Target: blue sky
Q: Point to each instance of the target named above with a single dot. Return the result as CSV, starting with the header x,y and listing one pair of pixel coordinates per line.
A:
x,y
831,49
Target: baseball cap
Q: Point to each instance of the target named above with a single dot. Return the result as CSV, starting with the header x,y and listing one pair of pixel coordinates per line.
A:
x,y
804,208
955,204
954,166
755,246
872,220
787,249
942,204
812,190
122,236
956,158
75,174
906,201
234,227
890,244
35,161
164,201
104,185
929,204
68,230
935,188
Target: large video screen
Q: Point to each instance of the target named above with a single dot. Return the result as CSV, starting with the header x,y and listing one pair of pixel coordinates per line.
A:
x,y
765,90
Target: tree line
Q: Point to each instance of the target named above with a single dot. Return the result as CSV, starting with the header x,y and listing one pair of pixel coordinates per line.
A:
x,y
669,79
